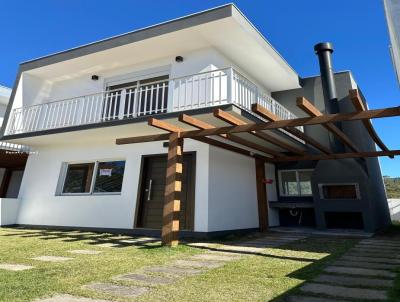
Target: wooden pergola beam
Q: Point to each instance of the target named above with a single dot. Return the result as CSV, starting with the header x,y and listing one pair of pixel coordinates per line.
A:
x,y
229,118
329,118
233,138
265,113
193,121
222,145
163,125
305,121
359,106
142,139
311,110
338,156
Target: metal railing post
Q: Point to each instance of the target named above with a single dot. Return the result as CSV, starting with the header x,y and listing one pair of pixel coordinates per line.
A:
x,y
171,94
229,80
122,104
43,122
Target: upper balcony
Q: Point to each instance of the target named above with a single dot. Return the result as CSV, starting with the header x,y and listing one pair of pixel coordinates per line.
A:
x,y
143,98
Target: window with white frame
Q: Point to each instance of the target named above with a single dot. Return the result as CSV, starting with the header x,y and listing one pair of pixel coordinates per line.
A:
x,y
100,177
295,182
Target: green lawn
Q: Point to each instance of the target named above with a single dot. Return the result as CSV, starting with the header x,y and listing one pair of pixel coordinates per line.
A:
x,y
259,277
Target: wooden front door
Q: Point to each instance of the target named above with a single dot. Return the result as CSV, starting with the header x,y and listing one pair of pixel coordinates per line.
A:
x,y
151,197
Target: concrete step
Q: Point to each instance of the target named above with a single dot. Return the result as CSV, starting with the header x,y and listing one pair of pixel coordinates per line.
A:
x,y
360,272
353,281
344,292
364,264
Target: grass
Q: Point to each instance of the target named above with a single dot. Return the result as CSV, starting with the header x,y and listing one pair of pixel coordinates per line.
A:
x,y
257,277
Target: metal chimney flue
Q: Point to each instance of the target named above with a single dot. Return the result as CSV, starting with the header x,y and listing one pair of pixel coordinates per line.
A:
x,y
324,52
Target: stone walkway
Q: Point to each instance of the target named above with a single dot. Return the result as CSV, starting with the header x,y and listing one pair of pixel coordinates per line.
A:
x,y
216,255
137,283
364,273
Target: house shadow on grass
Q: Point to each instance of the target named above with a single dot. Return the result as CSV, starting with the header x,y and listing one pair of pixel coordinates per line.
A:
x,y
90,238
322,250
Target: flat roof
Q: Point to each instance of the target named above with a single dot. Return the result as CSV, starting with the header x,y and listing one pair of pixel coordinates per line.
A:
x,y
206,16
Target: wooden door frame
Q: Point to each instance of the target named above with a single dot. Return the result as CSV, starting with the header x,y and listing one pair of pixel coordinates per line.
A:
x,y
191,188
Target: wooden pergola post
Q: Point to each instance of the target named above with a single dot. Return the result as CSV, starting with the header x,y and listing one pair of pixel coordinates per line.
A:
x,y
262,199
173,188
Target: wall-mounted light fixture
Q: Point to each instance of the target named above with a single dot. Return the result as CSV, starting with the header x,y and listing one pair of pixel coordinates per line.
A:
x,y
95,77
179,59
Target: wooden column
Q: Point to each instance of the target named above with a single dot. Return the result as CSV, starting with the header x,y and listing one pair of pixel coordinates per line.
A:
x,y
261,195
173,187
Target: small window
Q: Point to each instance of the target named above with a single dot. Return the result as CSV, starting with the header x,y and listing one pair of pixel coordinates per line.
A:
x,y
295,183
78,178
106,176
109,176
339,191
289,183
305,182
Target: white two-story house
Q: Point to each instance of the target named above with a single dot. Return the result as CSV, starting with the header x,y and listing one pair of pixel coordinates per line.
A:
x,y
70,107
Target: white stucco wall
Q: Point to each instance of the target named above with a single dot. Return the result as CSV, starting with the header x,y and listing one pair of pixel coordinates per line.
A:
x,y
36,90
41,206
225,188
8,211
232,191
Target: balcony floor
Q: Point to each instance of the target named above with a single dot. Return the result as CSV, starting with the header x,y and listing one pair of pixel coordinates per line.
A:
x,y
110,131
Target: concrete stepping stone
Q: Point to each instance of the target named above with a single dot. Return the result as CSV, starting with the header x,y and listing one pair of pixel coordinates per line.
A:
x,y
85,252
394,262
359,271
394,245
353,281
344,292
309,299
108,245
139,240
375,251
374,247
52,258
363,264
214,257
118,290
241,249
372,254
176,271
260,244
15,267
68,298
202,244
226,253
198,264
382,241
148,279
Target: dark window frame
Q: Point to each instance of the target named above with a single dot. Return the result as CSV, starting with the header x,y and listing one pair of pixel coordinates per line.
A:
x,y
65,169
298,182
323,197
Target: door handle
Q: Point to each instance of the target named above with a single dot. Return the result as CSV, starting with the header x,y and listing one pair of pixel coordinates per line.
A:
x,y
149,189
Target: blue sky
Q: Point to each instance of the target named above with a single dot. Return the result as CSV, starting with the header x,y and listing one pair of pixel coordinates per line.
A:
x,y
357,28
